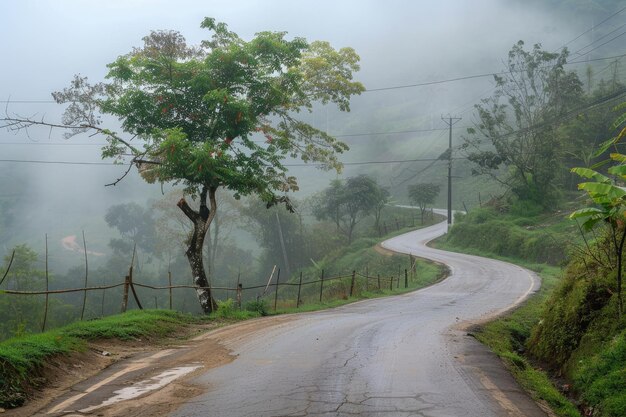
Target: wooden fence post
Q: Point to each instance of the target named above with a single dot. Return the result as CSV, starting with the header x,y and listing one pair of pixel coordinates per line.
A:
x,y
276,292
352,283
398,282
132,288
367,279
169,279
82,312
378,282
45,314
321,285
397,224
385,227
406,279
391,284
238,290
125,296
299,288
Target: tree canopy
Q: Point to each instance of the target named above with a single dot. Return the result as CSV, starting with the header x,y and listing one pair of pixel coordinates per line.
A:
x,y
517,125
346,203
423,194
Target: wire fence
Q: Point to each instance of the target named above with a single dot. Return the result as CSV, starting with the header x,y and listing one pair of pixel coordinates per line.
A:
x,y
293,293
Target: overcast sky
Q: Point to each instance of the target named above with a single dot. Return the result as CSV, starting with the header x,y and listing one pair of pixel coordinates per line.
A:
x,y
45,42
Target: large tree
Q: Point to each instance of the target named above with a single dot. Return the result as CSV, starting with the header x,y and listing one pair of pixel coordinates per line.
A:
x,y
219,115
516,130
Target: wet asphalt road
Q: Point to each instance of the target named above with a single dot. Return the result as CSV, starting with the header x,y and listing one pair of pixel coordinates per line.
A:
x,y
398,356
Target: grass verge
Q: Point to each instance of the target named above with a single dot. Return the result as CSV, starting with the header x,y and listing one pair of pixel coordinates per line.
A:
x,y
22,357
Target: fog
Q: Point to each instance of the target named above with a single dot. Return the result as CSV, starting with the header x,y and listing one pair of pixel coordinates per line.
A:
x,y
44,43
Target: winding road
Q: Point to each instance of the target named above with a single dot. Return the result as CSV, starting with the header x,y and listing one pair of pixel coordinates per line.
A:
x,y
399,356
407,355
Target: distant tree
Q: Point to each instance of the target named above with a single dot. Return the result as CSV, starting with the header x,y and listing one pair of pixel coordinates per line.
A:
x,y
135,224
21,313
517,126
347,203
382,199
219,115
423,195
264,225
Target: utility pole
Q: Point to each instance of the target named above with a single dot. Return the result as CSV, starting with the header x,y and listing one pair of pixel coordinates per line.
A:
x,y
450,121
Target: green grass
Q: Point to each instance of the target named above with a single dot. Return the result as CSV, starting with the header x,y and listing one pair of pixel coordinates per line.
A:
x,y
22,357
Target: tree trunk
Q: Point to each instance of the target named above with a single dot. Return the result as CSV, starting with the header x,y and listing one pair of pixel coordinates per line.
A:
x,y
201,222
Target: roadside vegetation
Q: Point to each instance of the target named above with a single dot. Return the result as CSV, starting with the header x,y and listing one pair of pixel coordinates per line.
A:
x,y
566,345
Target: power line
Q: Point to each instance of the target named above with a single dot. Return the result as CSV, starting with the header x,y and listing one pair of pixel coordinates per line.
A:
x,y
397,87
602,44
599,39
593,27
33,161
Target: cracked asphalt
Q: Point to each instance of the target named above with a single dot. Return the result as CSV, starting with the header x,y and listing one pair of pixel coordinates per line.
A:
x,y
406,355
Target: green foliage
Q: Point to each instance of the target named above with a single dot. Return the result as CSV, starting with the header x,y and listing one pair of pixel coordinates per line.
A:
x,y
602,378
515,140
423,194
220,115
227,310
535,238
257,306
609,201
346,203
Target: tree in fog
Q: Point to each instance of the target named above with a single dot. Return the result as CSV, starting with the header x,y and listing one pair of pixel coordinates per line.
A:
x,y
223,114
423,195
346,203
514,139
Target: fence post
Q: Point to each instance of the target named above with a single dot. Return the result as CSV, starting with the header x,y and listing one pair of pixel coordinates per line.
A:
x,y
406,279
397,224
352,283
276,292
132,288
385,227
238,290
45,314
367,278
398,282
378,282
299,288
391,284
321,285
169,279
82,312
125,296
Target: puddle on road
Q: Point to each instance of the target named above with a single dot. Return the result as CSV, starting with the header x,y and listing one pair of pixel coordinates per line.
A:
x,y
147,385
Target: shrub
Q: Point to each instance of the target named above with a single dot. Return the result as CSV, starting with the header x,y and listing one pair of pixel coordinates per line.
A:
x,y
257,306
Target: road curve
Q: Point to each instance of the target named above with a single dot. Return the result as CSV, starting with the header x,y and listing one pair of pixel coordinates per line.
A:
x,y
398,356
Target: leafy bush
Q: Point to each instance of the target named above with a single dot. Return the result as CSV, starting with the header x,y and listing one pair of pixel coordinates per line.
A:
x,y
257,306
